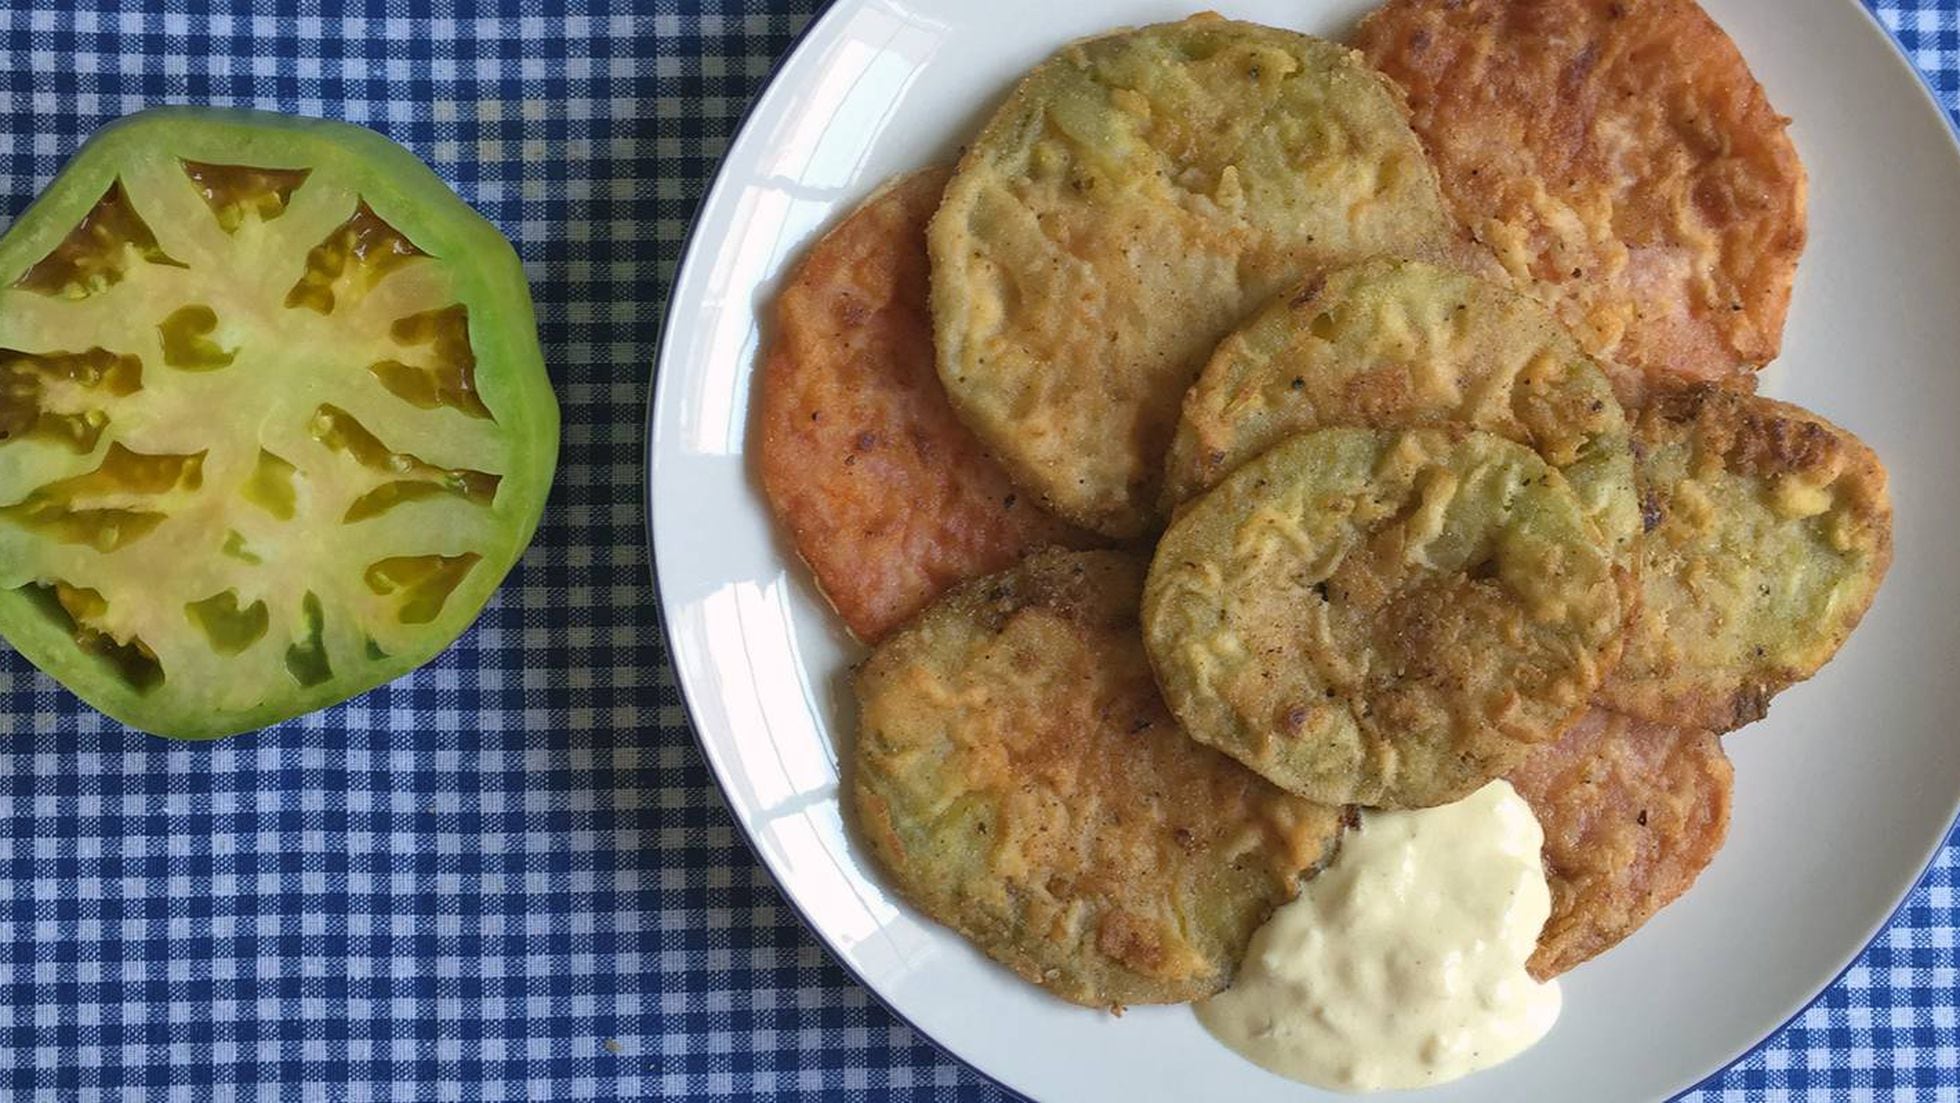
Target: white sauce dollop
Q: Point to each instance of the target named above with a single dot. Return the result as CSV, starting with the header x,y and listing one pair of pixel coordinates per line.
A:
x,y
1403,963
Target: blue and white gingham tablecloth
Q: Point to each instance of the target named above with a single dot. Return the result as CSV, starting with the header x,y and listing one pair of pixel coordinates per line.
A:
x,y
509,876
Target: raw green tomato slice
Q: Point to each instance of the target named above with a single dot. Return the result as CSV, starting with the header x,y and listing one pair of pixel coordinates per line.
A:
x,y
274,423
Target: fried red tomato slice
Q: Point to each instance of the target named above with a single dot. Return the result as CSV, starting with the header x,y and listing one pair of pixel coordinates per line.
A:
x,y
1632,814
1769,531
1020,780
888,498
1618,156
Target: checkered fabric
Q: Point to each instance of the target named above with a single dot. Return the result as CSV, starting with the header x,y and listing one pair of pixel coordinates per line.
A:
x,y
509,876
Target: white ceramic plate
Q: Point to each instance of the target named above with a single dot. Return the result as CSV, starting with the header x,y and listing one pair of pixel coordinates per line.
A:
x,y
1841,795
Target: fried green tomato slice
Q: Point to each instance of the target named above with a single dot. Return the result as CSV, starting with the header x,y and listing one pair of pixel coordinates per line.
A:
x,y
1769,532
1399,344
1632,813
1621,160
1383,618
1019,779
273,419
887,497
1131,201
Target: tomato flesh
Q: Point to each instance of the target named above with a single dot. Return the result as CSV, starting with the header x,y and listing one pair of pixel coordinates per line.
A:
x,y
273,419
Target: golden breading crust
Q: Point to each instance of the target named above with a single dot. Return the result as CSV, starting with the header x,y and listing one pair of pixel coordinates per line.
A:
x,y
1398,344
1632,814
1769,532
884,493
1018,777
1127,205
1619,155
1383,618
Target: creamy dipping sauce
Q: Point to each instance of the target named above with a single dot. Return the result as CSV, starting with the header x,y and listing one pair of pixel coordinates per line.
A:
x,y
1403,963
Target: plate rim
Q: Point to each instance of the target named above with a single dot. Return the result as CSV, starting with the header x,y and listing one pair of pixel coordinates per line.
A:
x,y
1929,100
689,247
690,244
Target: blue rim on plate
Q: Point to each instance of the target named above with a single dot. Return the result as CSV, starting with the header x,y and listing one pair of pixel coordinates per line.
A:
x,y
688,244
